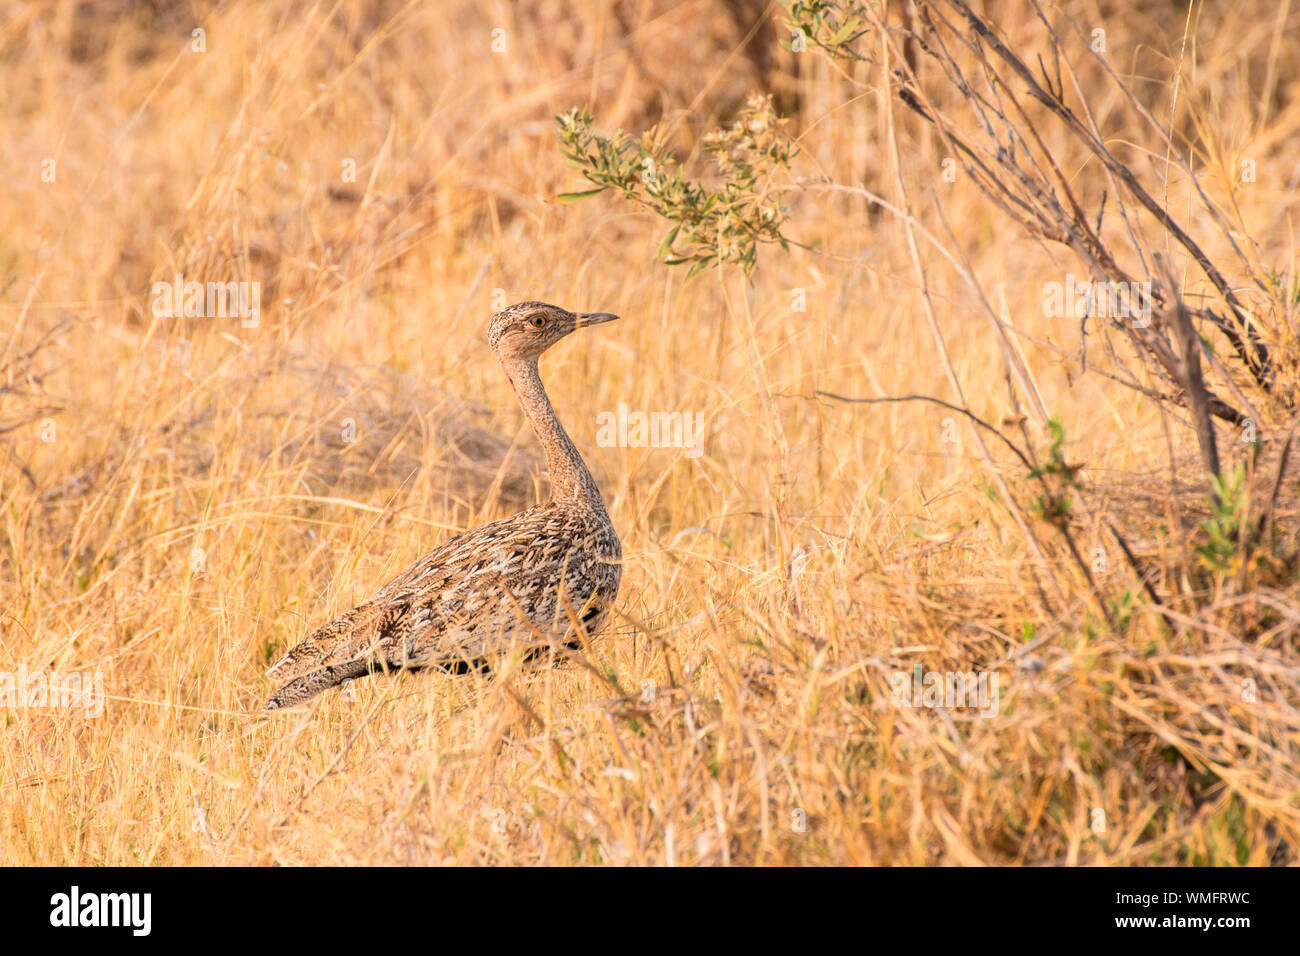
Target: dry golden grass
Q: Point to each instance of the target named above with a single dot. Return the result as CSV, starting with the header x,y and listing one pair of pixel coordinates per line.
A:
x,y
197,510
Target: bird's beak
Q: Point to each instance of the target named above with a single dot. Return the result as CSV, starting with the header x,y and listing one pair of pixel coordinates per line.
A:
x,y
595,318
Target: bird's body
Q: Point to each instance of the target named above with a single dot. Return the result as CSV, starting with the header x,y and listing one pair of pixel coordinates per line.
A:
x,y
545,576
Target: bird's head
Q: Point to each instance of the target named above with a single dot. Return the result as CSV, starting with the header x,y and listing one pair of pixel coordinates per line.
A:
x,y
525,330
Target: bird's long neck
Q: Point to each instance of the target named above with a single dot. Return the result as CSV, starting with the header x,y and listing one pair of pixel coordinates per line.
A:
x,y
571,482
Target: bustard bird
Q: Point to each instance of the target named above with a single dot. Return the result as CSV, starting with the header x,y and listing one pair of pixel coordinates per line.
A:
x,y
538,578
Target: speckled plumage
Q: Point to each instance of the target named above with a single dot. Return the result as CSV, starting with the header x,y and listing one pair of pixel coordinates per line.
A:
x,y
538,578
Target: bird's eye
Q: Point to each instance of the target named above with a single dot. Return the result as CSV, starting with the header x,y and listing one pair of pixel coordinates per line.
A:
x,y
537,321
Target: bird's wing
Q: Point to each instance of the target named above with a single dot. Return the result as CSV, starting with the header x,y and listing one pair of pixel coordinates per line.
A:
x,y
366,626
513,582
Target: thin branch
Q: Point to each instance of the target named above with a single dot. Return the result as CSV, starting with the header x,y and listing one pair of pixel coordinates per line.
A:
x,y
1029,466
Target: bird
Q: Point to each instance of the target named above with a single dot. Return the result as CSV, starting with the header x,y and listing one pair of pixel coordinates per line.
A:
x,y
544,577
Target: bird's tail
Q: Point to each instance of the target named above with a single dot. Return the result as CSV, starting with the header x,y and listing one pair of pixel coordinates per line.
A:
x,y
354,635
304,688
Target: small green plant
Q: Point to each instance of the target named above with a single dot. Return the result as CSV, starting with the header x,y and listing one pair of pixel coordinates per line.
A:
x,y
1057,476
711,224
830,26
1225,548
1122,608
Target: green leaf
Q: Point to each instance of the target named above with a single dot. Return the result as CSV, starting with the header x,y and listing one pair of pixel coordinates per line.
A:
x,y
568,198
667,244
844,32
697,268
